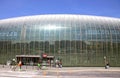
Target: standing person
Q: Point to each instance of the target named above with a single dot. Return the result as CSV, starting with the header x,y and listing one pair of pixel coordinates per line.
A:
x,y
49,63
13,63
20,64
39,66
60,63
107,65
56,63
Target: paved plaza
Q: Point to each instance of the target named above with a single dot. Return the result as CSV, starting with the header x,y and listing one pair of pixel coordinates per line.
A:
x,y
65,72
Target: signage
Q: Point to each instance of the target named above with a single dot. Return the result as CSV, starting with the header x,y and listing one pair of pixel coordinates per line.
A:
x,y
44,55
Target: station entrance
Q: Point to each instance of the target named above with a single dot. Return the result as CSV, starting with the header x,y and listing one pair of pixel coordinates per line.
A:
x,y
44,60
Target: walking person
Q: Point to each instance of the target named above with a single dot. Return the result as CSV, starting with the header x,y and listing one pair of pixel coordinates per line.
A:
x,y
20,65
60,63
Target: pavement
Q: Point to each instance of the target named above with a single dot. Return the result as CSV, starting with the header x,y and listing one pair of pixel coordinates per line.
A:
x,y
65,72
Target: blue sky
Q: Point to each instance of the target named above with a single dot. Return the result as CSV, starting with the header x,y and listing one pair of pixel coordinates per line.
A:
x,y
16,8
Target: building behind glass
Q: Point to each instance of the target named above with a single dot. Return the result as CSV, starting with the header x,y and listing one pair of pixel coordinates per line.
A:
x,y
79,40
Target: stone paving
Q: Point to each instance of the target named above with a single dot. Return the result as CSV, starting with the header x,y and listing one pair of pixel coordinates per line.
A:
x,y
65,72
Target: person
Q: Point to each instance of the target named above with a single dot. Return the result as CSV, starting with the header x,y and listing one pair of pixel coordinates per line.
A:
x,y
56,63
107,65
20,64
60,63
52,63
49,63
13,64
39,66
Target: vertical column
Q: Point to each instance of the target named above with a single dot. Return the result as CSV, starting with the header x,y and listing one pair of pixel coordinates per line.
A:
x,y
23,35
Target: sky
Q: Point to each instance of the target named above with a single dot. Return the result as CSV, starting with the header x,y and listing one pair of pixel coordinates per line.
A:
x,y
18,8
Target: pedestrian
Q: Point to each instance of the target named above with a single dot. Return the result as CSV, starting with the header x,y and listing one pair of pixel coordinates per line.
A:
x,y
39,66
13,64
20,64
60,63
49,63
107,65
56,63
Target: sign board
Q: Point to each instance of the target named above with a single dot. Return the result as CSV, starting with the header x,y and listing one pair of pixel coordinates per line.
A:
x,y
44,55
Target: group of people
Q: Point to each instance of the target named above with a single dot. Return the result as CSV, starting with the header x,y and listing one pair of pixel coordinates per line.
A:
x,y
58,63
14,64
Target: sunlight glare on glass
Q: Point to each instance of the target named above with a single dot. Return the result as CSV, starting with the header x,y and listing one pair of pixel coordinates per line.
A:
x,y
52,27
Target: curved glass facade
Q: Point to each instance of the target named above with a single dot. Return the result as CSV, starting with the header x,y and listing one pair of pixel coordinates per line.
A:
x,y
79,40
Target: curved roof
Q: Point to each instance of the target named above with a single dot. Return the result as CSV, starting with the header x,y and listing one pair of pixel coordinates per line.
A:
x,y
61,18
